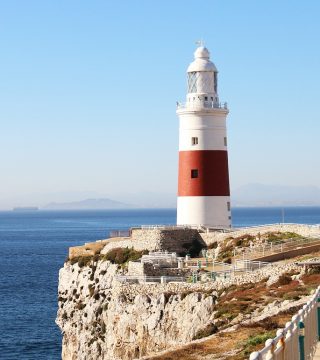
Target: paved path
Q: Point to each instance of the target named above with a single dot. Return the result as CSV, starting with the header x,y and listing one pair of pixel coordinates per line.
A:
x,y
317,354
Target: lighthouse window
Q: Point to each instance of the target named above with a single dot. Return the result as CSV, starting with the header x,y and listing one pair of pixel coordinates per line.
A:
x,y
225,141
192,82
194,141
194,173
228,205
215,82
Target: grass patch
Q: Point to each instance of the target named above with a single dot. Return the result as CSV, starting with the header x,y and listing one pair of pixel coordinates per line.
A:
x,y
312,280
81,260
251,344
279,236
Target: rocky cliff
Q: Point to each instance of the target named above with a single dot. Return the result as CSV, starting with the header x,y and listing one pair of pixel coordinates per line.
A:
x,y
102,319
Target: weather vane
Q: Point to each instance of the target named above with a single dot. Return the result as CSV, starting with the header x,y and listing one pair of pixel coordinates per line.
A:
x,y
200,42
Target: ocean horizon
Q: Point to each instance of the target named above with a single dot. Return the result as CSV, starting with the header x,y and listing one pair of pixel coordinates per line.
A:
x,y
34,246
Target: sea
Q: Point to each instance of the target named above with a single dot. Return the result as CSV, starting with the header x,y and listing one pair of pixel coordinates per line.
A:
x,y
34,246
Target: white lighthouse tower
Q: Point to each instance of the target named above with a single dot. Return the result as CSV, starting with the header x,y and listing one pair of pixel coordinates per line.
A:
x,y
203,185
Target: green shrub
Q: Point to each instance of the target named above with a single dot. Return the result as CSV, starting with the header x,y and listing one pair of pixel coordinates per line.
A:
x,y
284,279
251,343
80,305
91,290
278,236
213,245
205,332
313,270
244,240
123,255
81,260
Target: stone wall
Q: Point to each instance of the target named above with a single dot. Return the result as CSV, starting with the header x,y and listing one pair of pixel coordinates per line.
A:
x,y
136,268
147,269
174,240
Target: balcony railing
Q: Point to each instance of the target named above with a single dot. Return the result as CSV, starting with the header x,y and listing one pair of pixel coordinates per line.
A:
x,y
202,104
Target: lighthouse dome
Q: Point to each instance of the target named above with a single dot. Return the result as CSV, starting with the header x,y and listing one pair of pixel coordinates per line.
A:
x,y
202,52
202,61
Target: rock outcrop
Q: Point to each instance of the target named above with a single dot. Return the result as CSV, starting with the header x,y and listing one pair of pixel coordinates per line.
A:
x,y
102,319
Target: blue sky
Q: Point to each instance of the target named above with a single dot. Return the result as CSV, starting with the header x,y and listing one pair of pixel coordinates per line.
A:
x,y
88,92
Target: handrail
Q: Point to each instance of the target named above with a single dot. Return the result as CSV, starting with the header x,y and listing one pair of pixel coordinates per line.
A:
x,y
287,341
202,104
144,278
274,247
277,224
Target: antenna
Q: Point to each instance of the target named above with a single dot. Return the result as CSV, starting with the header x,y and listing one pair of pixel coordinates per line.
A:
x,y
200,42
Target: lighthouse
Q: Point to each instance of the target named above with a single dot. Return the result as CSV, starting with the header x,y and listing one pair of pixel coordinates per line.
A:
x,y
203,183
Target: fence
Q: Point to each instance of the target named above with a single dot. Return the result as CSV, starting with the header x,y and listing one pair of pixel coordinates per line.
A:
x,y
161,259
270,248
311,226
299,338
240,265
250,265
133,279
119,233
217,228
165,227
211,276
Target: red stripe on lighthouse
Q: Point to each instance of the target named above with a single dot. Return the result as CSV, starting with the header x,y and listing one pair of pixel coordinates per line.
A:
x,y
213,174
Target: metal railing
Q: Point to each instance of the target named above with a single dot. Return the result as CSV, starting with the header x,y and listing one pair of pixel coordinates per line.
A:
x,y
165,227
202,104
250,265
223,271
160,258
127,233
149,279
312,226
119,233
270,248
195,226
239,265
299,338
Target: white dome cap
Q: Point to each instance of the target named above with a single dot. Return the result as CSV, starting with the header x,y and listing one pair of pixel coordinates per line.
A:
x,y
202,61
202,52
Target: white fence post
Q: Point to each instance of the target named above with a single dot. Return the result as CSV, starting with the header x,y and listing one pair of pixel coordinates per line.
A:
x,y
289,342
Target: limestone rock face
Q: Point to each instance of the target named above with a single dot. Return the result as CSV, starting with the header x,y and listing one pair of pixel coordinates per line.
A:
x,y
102,319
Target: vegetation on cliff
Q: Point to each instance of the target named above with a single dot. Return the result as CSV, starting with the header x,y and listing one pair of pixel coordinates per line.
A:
x,y
123,255
118,256
237,303
229,244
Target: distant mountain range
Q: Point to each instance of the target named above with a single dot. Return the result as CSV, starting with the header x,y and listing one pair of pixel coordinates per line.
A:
x,y
88,204
275,195
247,195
